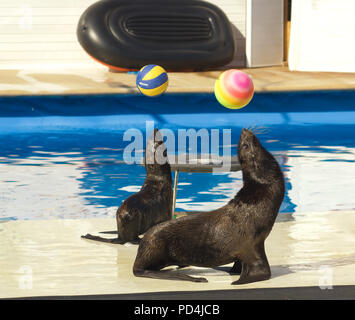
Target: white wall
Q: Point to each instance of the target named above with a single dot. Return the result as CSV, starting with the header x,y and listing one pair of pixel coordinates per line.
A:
x,y
322,36
41,34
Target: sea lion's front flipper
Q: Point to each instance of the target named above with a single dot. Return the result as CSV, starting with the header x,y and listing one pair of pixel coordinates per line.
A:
x,y
255,266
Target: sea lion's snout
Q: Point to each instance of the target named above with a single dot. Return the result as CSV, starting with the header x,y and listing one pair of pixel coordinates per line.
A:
x,y
246,139
246,133
152,145
158,139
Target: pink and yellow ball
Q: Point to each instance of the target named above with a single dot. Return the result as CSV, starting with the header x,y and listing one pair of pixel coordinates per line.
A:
x,y
234,89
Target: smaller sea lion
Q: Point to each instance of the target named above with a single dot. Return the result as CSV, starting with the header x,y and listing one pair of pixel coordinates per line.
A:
x,y
151,205
233,233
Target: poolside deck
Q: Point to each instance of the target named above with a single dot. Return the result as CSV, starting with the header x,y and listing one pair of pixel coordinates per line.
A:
x,y
48,258
100,80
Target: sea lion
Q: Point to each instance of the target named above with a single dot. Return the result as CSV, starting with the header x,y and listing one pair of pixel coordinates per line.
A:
x,y
152,204
233,233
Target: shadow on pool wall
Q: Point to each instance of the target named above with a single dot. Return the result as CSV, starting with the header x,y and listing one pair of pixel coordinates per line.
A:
x,y
89,130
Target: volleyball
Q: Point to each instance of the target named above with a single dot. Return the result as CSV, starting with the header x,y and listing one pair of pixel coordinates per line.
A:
x,y
152,80
234,89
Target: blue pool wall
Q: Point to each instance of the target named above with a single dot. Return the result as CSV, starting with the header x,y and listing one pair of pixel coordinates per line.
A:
x,y
123,111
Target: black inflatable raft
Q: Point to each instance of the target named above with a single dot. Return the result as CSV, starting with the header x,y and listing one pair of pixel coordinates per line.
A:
x,y
176,34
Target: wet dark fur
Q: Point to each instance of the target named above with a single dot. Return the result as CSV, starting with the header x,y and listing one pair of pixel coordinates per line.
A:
x,y
148,207
234,233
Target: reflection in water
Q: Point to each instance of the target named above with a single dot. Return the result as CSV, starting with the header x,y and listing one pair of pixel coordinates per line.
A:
x,y
58,175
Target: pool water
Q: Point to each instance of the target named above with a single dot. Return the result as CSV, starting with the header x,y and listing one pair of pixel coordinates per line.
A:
x,y
62,156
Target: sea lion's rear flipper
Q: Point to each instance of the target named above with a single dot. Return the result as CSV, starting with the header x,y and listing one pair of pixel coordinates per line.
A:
x,y
109,232
166,274
97,238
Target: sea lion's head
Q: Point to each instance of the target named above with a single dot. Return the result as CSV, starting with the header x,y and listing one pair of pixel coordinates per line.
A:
x,y
156,161
248,147
257,163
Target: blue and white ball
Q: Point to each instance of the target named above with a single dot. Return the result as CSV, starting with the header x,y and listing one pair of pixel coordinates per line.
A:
x,y
152,80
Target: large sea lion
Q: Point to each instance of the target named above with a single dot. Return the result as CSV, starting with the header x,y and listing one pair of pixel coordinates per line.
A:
x,y
234,233
152,204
